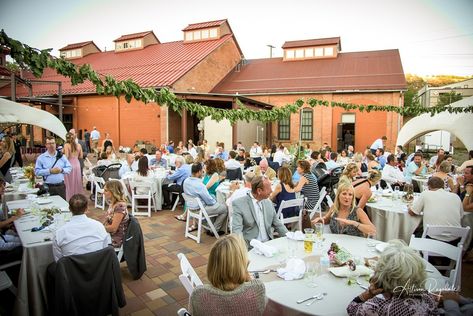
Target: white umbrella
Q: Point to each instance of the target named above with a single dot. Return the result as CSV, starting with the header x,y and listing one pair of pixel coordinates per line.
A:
x,y
17,113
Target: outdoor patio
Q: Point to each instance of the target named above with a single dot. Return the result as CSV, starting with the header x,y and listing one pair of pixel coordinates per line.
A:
x,y
159,291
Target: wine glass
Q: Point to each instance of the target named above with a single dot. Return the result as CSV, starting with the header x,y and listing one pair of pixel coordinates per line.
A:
x,y
312,272
319,234
371,241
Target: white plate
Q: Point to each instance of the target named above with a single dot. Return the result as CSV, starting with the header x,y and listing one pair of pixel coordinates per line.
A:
x,y
43,201
381,246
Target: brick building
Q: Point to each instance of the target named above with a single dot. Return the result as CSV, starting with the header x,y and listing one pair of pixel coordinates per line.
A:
x,y
208,67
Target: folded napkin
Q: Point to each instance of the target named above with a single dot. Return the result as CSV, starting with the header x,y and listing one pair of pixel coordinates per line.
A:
x,y
262,249
295,269
343,272
297,235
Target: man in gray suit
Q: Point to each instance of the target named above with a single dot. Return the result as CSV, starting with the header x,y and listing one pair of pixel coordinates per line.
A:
x,y
254,214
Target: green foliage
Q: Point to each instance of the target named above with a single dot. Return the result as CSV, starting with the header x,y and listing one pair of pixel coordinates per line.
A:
x,y
13,67
37,60
448,98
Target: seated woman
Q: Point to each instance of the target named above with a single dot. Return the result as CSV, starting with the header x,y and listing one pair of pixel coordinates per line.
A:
x,y
349,173
211,178
231,290
343,158
142,174
372,163
284,191
442,172
363,187
248,162
117,219
307,184
400,277
344,217
358,159
110,153
221,169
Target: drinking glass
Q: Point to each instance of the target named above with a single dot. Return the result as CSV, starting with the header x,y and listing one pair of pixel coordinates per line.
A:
x,y
312,272
371,241
319,234
291,248
397,193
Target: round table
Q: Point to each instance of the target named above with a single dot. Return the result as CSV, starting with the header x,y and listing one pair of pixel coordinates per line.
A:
x,y
157,180
282,295
421,181
391,219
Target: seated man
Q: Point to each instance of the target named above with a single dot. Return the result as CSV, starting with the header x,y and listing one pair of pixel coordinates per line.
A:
x,y
438,207
391,173
196,188
81,234
332,162
231,163
415,167
173,182
237,192
265,170
380,157
126,167
158,160
241,155
254,214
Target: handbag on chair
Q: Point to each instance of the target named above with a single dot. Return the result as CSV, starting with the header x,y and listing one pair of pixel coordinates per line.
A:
x,y
305,222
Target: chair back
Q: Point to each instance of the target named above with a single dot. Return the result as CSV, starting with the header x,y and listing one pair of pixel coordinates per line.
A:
x,y
318,205
329,200
111,171
299,202
145,186
447,231
443,249
234,174
188,278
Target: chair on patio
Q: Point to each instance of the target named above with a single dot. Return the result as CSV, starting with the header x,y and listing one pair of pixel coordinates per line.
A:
x,y
99,184
5,282
318,207
200,215
147,193
290,204
445,250
188,278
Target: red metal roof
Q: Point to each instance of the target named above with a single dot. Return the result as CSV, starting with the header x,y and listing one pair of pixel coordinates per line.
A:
x,y
204,25
77,45
133,36
312,42
372,70
157,65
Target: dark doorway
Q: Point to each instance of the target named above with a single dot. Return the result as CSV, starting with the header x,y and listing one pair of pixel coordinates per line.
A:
x,y
345,135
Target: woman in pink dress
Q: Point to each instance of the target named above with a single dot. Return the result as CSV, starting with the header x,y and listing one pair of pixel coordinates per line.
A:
x,y
73,180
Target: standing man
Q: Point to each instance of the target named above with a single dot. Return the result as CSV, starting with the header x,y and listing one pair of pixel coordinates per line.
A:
x,y
87,139
254,214
17,145
379,143
52,165
348,139
95,137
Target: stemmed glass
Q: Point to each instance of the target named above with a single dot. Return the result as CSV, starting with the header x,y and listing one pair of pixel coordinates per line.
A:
x,y
319,234
371,241
312,272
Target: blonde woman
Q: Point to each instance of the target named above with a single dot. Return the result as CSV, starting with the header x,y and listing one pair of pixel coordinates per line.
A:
x,y
400,278
231,290
8,155
443,170
344,217
117,219
349,173
73,153
358,160
363,187
372,163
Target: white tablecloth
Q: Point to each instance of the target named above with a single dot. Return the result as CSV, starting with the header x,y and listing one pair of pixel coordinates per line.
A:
x,y
282,295
392,220
158,176
421,181
37,255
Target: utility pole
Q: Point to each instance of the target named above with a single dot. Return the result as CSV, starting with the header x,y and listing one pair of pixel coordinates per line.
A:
x,y
270,50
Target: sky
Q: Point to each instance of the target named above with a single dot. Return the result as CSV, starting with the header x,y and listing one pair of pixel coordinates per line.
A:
x,y
434,37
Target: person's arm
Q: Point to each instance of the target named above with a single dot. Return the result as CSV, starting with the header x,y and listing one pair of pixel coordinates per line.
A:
x,y
67,150
19,213
365,225
275,192
6,156
420,169
468,199
324,220
365,195
57,251
213,179
40,169
81,153
302,181
417,207
237,218
67,168
113,227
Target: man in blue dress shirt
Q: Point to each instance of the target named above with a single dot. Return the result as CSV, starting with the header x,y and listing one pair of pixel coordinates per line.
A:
x,y
52,166
173,182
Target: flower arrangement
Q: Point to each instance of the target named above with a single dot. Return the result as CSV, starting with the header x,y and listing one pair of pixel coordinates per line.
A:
x,y
47,215
29,174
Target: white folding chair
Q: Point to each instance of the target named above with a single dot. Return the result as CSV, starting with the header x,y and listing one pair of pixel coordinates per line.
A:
x,y
299,202
188,278
126,190
177,200
449,232
183,312
147,189
200,215
318,206
119,252
5,282
445,250
99,184
329,200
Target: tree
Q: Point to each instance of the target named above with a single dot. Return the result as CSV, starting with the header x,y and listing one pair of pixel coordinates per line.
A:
x,y
449,98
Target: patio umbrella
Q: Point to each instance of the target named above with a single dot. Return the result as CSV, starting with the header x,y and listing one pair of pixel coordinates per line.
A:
x,y
17,113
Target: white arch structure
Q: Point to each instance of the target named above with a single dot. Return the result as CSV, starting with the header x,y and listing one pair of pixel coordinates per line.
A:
x,y
17,113
461,125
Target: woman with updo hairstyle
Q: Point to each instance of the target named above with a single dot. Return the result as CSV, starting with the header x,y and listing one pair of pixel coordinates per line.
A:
x,y
349,173
443,173
400,277
231,290
363,187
